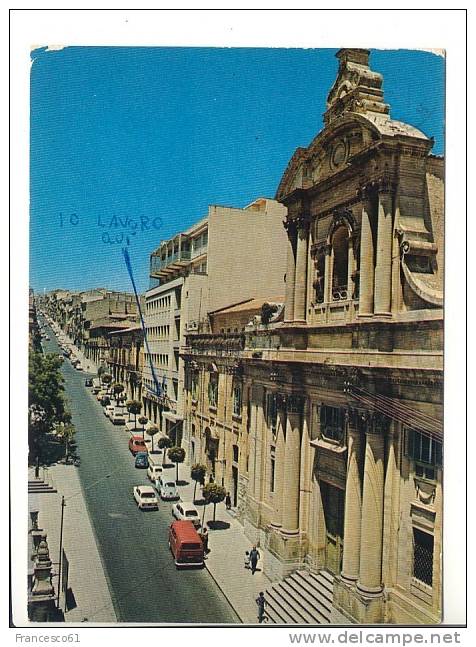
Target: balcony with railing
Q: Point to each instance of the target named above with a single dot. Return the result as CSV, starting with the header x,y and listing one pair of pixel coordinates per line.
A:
x,y
222,344
164,264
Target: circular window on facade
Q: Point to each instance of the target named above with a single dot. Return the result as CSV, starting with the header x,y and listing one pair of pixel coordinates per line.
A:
x,y
339,154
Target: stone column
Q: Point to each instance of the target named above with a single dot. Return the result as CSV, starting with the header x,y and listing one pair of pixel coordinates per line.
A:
x,y
300,292
383,265
290,494
305,469
370,568
367,270
279,466
328,272
353,504
351,267
252,447
290,272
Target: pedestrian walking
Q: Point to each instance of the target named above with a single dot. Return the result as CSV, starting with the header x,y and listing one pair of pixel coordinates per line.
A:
x,y
228,501
204,538
247,559
261,602
254,557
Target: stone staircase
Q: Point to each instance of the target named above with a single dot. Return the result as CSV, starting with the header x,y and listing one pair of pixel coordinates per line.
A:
x,y
302,598
39,486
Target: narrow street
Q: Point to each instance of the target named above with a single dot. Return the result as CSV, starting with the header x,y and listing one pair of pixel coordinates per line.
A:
x,y
145,585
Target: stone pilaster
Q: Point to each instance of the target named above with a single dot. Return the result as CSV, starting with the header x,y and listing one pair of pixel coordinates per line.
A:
x,y
305,470
370,567
279,468
353,505
351,267
290,271
383,265
290,495
328,272
367,269
300,295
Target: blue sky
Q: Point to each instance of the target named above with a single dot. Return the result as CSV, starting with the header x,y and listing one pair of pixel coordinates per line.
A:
x,y
137,142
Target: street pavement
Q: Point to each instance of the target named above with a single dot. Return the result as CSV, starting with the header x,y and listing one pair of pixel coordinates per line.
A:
x,y
225,561
92,602
144,584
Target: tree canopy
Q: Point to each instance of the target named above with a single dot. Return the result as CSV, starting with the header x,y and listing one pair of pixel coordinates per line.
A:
x,y
213,493
46,401
176,455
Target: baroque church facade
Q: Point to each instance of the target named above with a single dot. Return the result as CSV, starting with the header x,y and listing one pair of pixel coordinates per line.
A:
x,y
326,422
345,395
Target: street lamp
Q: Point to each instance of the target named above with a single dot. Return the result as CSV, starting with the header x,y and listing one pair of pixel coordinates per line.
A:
x,y
63,505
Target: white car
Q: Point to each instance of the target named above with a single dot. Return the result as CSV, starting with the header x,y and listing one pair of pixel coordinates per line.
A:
x,y
153,472
184,511
118,416
145,497
108,410
79,366
167,488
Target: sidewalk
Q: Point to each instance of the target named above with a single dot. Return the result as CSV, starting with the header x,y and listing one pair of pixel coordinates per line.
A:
x,y
86,574
88,365
225,561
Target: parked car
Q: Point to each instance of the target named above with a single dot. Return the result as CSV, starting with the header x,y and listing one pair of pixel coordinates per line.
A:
x,y
101,394
185,511
79,366
108,409
142,460
88,382
167,488
154,471
185,544
118,416
136,445
145,497
105,400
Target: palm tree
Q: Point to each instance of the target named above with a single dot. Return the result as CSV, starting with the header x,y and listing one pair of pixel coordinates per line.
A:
x,y
143,421
176,455
134,407
198,472
163,443
151,432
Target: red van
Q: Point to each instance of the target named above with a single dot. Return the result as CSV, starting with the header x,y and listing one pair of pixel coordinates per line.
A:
x,y
185,544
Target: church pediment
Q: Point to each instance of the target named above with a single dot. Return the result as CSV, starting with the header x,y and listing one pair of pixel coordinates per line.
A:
x,y
329,153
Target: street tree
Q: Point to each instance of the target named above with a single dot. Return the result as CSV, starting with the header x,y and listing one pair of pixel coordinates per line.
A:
x,y
198,472
164,443
117,389
65,433
213,493
143,421
46,400
106,378
134,407
176,455
152,431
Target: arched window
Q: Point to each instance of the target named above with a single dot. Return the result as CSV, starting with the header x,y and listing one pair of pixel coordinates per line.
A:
x,y
340,254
